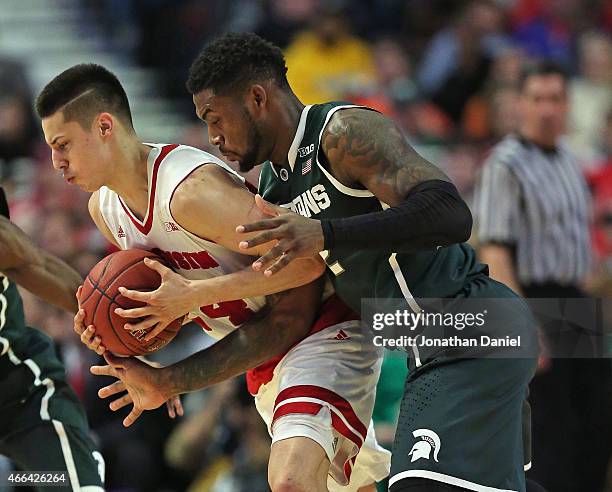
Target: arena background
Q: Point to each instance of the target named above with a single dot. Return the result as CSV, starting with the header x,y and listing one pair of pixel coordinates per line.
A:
x,y
399,57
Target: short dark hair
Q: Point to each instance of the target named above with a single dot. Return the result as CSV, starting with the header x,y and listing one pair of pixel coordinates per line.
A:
x,y
542,68
234,60
82,92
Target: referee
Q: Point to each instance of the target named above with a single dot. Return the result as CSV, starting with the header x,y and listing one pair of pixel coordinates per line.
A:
x,y
533,210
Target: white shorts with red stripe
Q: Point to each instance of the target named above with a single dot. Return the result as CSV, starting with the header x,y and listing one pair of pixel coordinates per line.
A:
x,y
324,389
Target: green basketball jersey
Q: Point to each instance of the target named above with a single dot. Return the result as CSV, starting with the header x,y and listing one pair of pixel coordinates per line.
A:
x,y
32,378
12,308
308,188
21,345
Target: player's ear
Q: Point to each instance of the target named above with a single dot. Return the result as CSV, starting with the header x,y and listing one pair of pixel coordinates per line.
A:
x,y
259,96
104,124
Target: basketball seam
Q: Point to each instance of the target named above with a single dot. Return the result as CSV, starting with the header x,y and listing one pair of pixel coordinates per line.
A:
x,y
125,269
96,286
82,301
103,295
113,301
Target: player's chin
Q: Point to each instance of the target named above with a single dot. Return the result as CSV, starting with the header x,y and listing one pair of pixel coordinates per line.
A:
x,y
245,167
88,187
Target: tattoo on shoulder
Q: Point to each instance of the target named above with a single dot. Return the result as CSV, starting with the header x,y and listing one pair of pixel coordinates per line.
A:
x,y
371,148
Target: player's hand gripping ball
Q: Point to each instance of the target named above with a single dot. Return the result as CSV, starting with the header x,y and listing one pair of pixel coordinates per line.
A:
x,y
100,296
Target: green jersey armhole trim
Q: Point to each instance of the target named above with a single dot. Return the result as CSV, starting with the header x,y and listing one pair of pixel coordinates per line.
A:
x,y
337,184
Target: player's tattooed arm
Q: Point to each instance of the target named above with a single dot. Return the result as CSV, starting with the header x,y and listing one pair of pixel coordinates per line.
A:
x,y
40,272
366,148
285,321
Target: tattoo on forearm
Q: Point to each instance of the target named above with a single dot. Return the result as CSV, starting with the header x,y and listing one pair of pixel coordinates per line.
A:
x,y
246,347
366,142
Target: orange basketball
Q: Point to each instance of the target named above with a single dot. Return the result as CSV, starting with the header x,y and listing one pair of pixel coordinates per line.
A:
x,y
100,297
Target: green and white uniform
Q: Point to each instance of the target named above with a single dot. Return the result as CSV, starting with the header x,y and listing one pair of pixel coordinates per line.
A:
x,y
43,425
452,405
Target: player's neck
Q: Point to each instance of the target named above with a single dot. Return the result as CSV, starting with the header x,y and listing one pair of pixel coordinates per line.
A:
x,y
130,179
289,111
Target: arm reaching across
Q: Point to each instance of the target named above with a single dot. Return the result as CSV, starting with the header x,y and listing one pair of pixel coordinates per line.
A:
x,y
366,149
36,270
210,204
285,321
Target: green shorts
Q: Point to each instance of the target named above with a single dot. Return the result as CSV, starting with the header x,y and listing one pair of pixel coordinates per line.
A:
x,y
465,421
44,426
462,422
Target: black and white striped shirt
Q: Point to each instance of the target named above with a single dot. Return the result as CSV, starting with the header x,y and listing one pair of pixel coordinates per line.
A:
x,y
538,202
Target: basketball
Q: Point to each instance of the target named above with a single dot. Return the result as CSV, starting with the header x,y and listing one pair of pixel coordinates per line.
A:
x,y
100,297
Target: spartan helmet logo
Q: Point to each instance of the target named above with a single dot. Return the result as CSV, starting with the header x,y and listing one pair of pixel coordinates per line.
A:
x,y
422,449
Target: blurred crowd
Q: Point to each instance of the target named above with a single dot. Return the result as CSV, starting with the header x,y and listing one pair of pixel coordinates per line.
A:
x,y
446,71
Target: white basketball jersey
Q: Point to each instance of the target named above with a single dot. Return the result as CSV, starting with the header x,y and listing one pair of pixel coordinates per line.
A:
x,y
189,255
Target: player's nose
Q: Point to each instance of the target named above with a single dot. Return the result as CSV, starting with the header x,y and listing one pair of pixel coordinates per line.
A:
x,y
59,163
216,140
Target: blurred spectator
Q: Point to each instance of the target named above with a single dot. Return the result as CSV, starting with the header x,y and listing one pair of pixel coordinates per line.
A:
x,y
117,19
282,19
546,29
425,121
491,113
171,34
591,93
506,69
18,129
393,87
16,126
57,234
327,62
600,181
504,115
460,163
457,61
393,74
223,443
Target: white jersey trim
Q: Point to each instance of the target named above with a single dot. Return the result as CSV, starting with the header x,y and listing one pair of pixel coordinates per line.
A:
x,y
29,363
337,184
441,477
144,226
67,453
299,134
403,285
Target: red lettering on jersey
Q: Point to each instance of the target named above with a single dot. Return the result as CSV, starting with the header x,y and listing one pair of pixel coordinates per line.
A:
x,y
186,260
201,322
181,262
205,260
166,256
190,257
237,311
